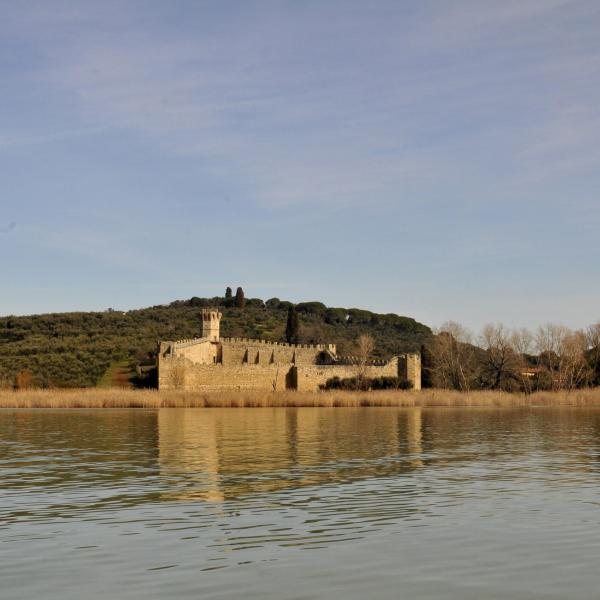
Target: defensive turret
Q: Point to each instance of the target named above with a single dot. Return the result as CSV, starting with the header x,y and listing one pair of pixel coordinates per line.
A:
x,y
211,321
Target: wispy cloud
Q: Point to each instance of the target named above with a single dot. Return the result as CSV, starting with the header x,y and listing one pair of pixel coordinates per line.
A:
x,y
8,142
565,142
326,111
8,228
444,123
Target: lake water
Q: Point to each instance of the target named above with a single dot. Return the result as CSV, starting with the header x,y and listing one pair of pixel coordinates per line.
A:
x,y
300,503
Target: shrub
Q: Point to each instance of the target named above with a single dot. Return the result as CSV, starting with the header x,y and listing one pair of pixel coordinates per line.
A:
x,y
367,383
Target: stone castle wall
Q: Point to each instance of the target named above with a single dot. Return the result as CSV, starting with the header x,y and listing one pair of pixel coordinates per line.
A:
x,y
410,369
237,351
202,352
310,377
176,372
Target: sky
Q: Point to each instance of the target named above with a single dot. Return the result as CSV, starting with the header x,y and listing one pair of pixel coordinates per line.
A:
x,y
435,159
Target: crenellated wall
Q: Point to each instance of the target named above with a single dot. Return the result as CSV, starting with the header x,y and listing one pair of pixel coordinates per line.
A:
x,y
235,351
209,363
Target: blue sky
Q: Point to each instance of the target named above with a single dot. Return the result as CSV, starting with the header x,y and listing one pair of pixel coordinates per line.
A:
x,y
434,159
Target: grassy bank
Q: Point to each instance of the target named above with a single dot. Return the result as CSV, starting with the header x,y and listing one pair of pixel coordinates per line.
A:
x,y
124,398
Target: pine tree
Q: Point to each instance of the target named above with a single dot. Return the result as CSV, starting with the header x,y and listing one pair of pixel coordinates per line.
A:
x,y
240,301
292,327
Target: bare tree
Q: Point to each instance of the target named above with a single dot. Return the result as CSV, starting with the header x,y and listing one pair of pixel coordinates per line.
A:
x,y
501,365
576,370
593,344
593,337
274,383
522,342
366,345
563,356
453,359
549,339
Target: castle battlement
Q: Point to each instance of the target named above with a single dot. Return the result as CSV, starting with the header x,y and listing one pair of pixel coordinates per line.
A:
x,y
238,340
253,341
189,342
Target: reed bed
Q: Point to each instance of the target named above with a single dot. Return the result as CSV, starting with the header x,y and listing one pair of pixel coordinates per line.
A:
x,y
153,399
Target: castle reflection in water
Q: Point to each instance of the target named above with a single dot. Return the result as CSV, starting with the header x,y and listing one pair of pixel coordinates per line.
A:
x,y
222,454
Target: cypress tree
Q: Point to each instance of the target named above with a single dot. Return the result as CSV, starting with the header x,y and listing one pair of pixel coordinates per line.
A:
x,y
240,301
292,327
228,297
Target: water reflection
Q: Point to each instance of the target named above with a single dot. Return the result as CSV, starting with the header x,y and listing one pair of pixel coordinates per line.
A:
x,y
217,455
135,457
163,496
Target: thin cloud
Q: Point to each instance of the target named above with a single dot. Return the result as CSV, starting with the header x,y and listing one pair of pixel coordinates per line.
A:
x,y
15,141
318,110
8,228
430,131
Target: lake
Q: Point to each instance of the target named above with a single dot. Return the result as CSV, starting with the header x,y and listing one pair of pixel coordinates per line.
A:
x,y
300,503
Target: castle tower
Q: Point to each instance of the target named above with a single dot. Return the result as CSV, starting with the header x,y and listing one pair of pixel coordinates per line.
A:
x,y
409,367
413,370
211,319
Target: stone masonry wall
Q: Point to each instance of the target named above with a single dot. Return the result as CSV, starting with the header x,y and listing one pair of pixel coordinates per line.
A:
x,y
237,351
179,373
311,377
205,352
410,369
261,352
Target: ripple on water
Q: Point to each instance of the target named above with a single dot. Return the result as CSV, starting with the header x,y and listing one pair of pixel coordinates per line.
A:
x,y
267,502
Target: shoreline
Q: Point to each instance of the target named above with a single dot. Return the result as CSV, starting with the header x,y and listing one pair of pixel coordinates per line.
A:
x,y
128,398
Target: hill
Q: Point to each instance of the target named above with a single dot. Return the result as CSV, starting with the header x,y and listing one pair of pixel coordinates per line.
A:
x,y
83,349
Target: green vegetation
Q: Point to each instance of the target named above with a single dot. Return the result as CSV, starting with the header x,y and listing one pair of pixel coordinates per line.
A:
x,y
240,300
85,348
292,328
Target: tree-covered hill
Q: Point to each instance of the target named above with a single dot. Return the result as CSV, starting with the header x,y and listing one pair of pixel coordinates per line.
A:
x,y
78,349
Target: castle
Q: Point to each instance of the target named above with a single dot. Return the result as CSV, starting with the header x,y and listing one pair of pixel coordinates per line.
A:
x,y
213,363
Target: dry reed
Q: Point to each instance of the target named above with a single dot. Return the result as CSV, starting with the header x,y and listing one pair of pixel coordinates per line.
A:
x,y
124,398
